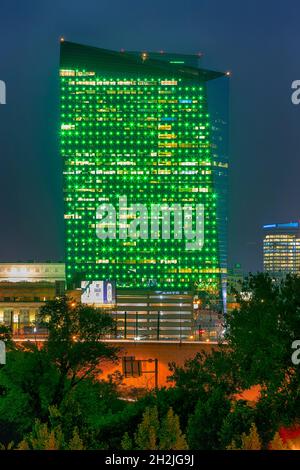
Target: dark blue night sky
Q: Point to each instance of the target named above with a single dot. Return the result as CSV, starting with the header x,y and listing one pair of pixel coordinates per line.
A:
x,y
258,41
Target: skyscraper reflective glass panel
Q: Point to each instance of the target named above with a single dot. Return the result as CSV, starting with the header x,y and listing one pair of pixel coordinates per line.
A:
x,y
136,130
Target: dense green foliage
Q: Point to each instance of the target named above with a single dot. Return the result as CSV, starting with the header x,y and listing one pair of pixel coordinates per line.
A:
x,y
53,397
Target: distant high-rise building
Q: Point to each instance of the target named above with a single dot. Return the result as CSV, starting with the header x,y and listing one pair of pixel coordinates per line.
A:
x,y
281,248
235,278
135,129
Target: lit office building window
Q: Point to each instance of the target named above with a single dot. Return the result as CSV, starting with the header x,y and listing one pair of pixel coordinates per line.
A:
x,y
138,126
281,248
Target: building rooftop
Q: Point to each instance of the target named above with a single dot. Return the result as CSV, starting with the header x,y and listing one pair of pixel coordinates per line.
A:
x,y
32,272
284,226
105,61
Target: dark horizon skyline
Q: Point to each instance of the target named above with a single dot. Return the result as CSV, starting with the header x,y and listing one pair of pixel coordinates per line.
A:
x,y
257,43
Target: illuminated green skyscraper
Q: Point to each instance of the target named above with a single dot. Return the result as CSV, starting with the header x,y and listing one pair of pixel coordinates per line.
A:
x,y
136,126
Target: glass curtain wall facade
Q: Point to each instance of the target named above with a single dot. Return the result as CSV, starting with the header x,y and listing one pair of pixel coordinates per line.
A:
x,y
139,127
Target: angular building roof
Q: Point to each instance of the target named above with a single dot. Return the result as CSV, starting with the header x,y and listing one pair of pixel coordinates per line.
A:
x,y
105,61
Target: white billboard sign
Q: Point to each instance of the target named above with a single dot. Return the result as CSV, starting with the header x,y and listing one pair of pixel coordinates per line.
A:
x,y
98,292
